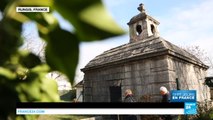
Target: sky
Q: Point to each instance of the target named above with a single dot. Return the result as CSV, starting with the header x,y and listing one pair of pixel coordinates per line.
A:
x,y
182,22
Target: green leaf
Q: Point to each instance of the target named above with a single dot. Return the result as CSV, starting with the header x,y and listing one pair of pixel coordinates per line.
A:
x,y
3,4
29,60
96,15
62,52
45,3
7,73
10,38
49,89
29,89
89,18
37,87
23,76
45,21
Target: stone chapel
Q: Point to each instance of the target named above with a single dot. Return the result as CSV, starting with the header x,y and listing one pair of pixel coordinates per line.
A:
x,y
143,65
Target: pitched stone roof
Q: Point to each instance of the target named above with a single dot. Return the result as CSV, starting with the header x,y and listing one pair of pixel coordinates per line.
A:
x,y
79,84
150,47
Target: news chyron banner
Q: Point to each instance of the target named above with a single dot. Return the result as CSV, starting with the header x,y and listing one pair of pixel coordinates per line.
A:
x,y
100,108
186,96
181,102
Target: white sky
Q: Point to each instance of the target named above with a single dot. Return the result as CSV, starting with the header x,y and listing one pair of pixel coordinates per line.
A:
x,y
182,22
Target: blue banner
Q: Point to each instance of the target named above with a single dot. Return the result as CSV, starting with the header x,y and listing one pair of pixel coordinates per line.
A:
x,y
186,96
190,108
183,96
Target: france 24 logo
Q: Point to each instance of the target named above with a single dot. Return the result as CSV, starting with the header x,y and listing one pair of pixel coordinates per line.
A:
x,y
190,108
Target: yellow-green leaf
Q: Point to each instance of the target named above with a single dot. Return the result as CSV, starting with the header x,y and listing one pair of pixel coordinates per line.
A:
x,y
89,18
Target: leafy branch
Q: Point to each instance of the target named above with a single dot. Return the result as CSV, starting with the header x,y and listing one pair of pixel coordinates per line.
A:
x,y
22,73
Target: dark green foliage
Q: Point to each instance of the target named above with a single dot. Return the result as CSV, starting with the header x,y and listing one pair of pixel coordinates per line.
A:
x,y
4,4
22,74
62,52
30,60
204,113
209,81
10,97
10,38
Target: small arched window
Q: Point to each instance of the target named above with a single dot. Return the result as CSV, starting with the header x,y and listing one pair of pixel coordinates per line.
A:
x,y
153,29
138,29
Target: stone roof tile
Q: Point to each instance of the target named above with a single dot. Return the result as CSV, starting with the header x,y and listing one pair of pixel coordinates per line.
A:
x,y
149,47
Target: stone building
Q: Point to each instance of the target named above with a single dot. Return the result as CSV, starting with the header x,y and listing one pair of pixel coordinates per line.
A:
x,y
144,64
79,91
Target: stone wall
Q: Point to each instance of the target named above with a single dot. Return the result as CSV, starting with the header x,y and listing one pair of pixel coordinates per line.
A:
x,y
143,77
146,77
190,76
98,81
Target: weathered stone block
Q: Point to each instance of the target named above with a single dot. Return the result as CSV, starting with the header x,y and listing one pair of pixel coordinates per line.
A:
x,y
137,81
88,98
145,80
126,82
88,92
88,83
127,68
136,74
127,74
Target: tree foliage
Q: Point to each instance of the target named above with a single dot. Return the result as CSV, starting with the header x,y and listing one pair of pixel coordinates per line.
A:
x,y
202,55
23,74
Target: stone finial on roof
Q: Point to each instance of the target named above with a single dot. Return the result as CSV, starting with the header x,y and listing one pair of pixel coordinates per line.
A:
x,y
141,8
